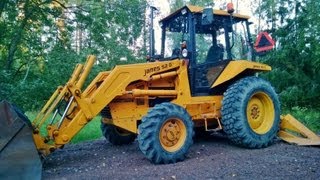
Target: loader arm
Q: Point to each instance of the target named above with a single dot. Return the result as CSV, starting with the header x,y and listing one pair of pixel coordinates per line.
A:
x,y
81,107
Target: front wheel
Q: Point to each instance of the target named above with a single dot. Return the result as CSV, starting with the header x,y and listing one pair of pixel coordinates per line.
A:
x,y
117,136
165,133
251,113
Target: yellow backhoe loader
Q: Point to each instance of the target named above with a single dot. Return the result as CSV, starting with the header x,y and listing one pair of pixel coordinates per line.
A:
x,y
198,80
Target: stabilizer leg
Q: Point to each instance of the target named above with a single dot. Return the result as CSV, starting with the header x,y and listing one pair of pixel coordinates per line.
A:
x,y
293,131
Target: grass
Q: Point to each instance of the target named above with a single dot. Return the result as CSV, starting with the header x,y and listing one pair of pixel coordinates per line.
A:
x,y
90,131
308,116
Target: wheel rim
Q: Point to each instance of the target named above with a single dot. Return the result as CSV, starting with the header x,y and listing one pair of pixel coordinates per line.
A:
x,y
173,134
260,113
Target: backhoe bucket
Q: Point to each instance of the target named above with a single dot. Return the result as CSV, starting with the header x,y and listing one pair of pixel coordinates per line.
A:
x,y
19,158
292,131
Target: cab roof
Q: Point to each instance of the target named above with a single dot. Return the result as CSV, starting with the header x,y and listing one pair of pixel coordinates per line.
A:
x,y
197,9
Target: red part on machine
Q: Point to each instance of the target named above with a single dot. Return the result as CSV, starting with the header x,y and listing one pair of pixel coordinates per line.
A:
x,y
264,42
230,8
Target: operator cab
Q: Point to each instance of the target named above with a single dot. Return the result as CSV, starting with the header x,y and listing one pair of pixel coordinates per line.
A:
x,y
209,39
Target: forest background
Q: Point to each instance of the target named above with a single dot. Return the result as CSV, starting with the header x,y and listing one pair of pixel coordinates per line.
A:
x,y
42,40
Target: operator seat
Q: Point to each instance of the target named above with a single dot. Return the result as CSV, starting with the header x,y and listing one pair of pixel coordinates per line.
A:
x,y
175,53
215,53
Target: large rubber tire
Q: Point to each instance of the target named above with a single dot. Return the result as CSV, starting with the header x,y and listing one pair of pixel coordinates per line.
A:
x,y
113,134
251,113
165,133
117,136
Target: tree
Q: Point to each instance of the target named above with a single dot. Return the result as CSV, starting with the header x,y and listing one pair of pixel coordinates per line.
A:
x,y
112,28
38,51
22,21
296,59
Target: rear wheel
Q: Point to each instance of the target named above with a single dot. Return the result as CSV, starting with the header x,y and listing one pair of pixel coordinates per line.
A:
x,y
251,113
165,133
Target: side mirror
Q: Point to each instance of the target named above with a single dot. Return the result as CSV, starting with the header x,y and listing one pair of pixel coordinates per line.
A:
x,y
207,16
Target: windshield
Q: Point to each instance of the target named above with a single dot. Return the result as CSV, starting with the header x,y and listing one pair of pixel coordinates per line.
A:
x,y
239,42
176,32
225,39
173,42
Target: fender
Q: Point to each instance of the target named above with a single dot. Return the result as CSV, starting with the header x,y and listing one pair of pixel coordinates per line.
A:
x,y
234,68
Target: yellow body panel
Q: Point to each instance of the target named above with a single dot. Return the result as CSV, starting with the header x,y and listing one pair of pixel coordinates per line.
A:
x,y
234,68
126,115
198,9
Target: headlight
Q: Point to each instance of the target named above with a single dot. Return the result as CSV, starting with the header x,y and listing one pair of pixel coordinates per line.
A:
x,y
184,11
160,24
184,53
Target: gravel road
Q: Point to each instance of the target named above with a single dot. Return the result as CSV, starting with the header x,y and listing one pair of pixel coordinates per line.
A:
x,y
208,158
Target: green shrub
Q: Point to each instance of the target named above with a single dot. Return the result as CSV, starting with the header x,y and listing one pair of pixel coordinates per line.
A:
x,y
90,131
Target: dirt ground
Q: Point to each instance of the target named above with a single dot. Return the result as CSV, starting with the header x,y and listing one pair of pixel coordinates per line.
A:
x,y
208,158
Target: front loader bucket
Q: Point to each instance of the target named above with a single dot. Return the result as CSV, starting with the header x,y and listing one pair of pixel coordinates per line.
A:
x,y
292,131
19,158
